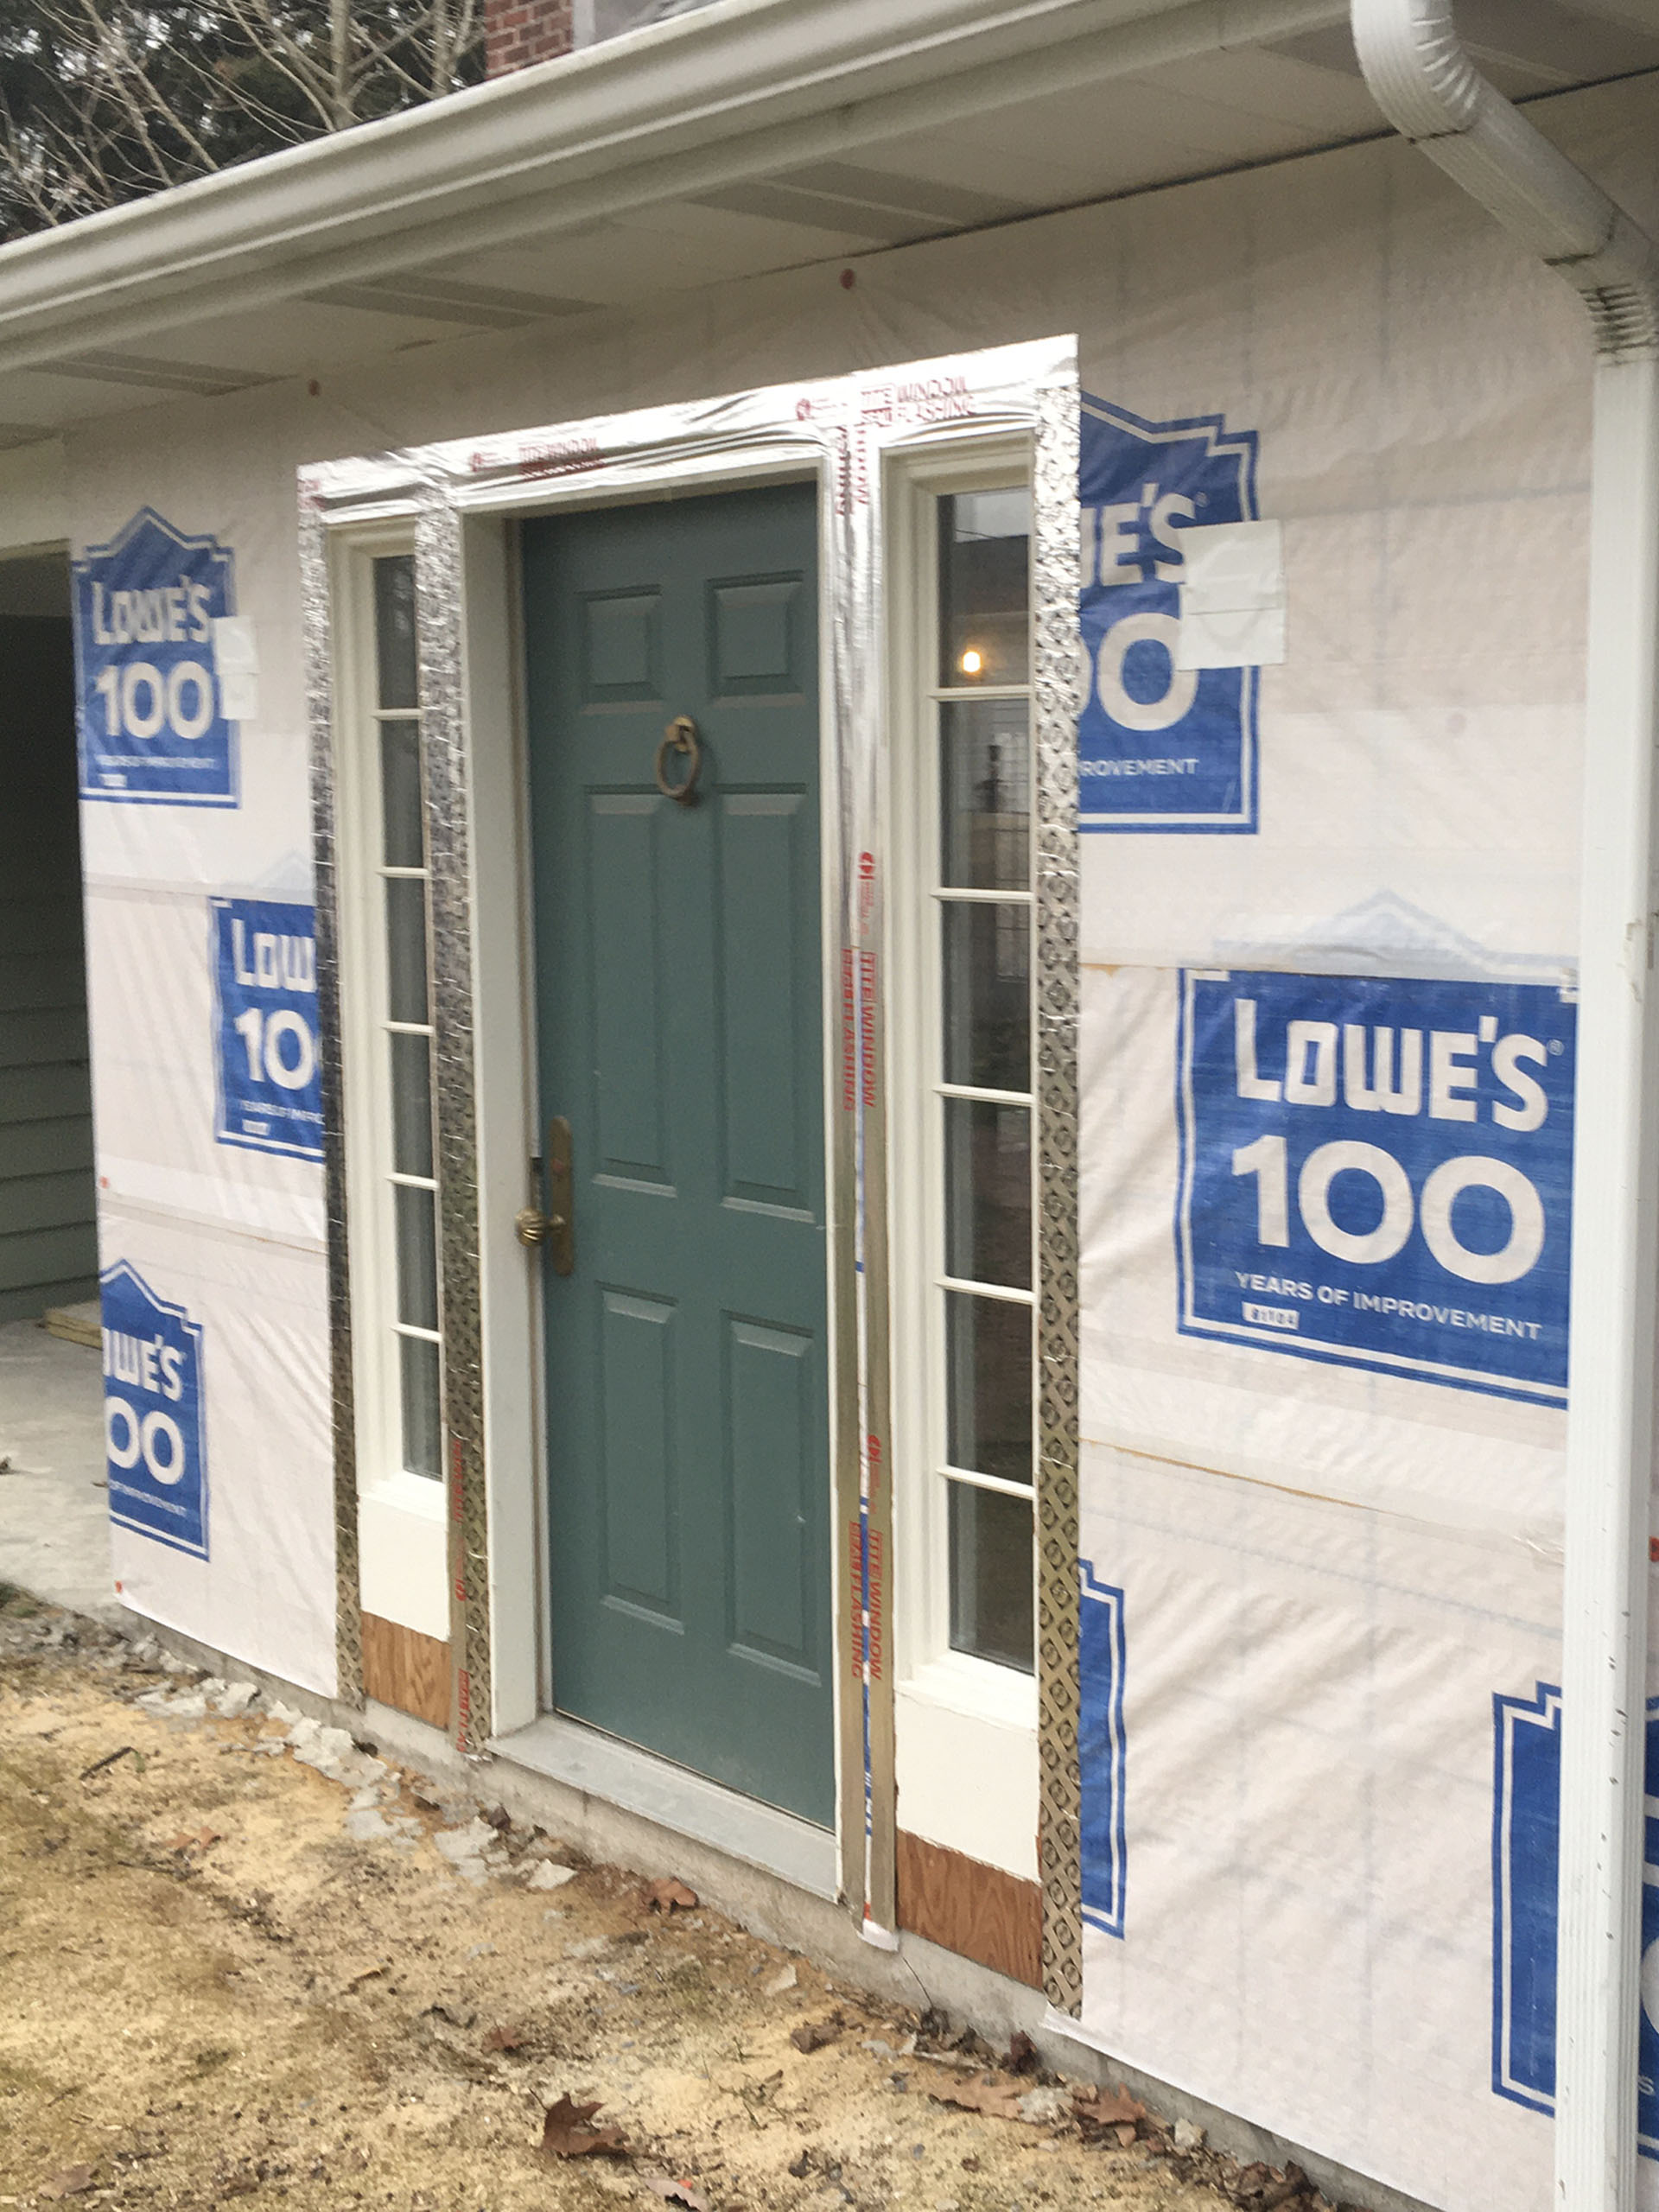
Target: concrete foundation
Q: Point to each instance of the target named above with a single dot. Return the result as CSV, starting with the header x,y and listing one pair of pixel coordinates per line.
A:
x,y
54,1528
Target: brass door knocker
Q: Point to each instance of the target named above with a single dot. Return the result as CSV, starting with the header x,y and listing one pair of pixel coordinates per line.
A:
x,y
680,736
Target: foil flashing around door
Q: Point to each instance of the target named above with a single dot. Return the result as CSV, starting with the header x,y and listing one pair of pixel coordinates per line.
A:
x,y
843,429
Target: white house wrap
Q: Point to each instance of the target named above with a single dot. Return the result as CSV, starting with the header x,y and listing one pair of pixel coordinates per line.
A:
x,y
1333,450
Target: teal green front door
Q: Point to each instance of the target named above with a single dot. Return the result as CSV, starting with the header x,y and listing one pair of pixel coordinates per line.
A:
x,y
680,1017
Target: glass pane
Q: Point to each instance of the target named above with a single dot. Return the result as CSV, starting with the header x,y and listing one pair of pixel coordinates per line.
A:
x,y
988,1193
406,949
991,1578
411,1106
394,632
400,794
987,1385
985,795
988,995
423,1424
985,587
417,1257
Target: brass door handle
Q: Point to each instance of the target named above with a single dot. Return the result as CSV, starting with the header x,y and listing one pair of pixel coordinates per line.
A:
x,y
554,1228
532,1227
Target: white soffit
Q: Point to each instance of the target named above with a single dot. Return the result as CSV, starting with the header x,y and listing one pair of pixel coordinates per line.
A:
x,y
748,136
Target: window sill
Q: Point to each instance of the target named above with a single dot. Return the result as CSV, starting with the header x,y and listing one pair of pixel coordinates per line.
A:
x,y
976,1689
419,1495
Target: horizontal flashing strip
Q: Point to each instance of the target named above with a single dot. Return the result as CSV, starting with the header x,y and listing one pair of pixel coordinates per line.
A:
x,y
742,89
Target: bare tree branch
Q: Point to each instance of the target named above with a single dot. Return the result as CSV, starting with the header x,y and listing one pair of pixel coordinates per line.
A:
x,y
104,101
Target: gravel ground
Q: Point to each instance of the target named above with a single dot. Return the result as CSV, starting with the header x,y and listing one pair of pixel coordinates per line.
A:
x,y
245,1958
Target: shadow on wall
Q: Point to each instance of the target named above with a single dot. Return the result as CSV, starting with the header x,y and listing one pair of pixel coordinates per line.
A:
x,y
48,1246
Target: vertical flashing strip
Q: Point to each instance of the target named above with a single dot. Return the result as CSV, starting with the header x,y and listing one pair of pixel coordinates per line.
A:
x,y
868,1786
1059,698
318,625
438,599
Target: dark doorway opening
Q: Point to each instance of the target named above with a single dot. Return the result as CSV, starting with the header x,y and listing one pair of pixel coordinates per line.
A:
x,y
48,1238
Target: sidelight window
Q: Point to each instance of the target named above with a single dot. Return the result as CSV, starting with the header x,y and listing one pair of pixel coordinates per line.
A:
x,y
979,709
407,1165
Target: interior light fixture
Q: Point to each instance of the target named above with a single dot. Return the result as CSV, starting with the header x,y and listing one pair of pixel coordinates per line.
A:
x,y
972,661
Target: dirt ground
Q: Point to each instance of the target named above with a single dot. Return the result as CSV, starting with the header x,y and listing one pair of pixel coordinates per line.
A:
x,y
227,1975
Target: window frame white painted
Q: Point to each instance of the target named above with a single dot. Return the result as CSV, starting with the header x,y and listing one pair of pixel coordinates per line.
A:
x,y
403,1547
956,1713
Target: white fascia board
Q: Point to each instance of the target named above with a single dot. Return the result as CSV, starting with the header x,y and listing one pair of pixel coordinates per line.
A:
x,y
734,91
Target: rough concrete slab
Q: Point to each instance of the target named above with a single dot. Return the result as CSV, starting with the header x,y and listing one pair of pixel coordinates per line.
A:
x,y
55,1530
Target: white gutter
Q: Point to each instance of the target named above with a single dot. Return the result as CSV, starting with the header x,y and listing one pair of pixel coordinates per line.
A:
x,y
1430,90
739,89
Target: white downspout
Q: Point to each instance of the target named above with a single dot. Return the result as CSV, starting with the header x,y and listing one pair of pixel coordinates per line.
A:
x,y
1429,89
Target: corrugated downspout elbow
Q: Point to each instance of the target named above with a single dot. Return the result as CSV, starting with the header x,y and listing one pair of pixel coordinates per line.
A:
x,y
1423,80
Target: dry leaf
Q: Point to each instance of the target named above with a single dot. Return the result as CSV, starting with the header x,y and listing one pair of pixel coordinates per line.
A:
x,y
73,2181
1022,2053
203,1839
671,1896
1125,2133
566,2135
1106,2107
813,2035
507,2039
999,2099
676,2192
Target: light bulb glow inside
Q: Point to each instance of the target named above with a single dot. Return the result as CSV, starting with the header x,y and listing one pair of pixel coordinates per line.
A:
x,y
972,661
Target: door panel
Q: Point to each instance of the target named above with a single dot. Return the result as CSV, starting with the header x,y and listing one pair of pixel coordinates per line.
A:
x,y
635,1469
772,1491
766,842
678,953
631,1049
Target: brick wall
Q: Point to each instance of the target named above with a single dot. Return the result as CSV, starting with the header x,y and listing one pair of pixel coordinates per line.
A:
x,y
519,33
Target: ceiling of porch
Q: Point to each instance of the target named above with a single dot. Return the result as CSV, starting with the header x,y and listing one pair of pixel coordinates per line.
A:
x,y
915,159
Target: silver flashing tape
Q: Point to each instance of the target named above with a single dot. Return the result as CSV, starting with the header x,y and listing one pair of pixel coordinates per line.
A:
x,y
317,606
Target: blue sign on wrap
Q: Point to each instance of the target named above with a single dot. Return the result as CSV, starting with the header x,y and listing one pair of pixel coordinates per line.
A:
x,y
154,1427
1526,1825
1100,1759
151,724
265,1016
1379,1171
1158,747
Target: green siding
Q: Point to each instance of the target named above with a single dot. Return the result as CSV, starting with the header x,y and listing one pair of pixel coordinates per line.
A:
x,y
49,1246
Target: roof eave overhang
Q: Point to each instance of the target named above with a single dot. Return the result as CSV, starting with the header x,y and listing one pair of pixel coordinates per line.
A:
x,y
733,92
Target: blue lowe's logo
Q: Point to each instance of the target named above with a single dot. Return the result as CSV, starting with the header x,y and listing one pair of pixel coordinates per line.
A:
x,y
151,720
1379,1171
154,1430
1526,1831
266,994
1158,747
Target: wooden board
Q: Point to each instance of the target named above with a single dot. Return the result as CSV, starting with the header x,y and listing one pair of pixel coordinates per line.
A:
x,y
978,1912
406,1670
76,1324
